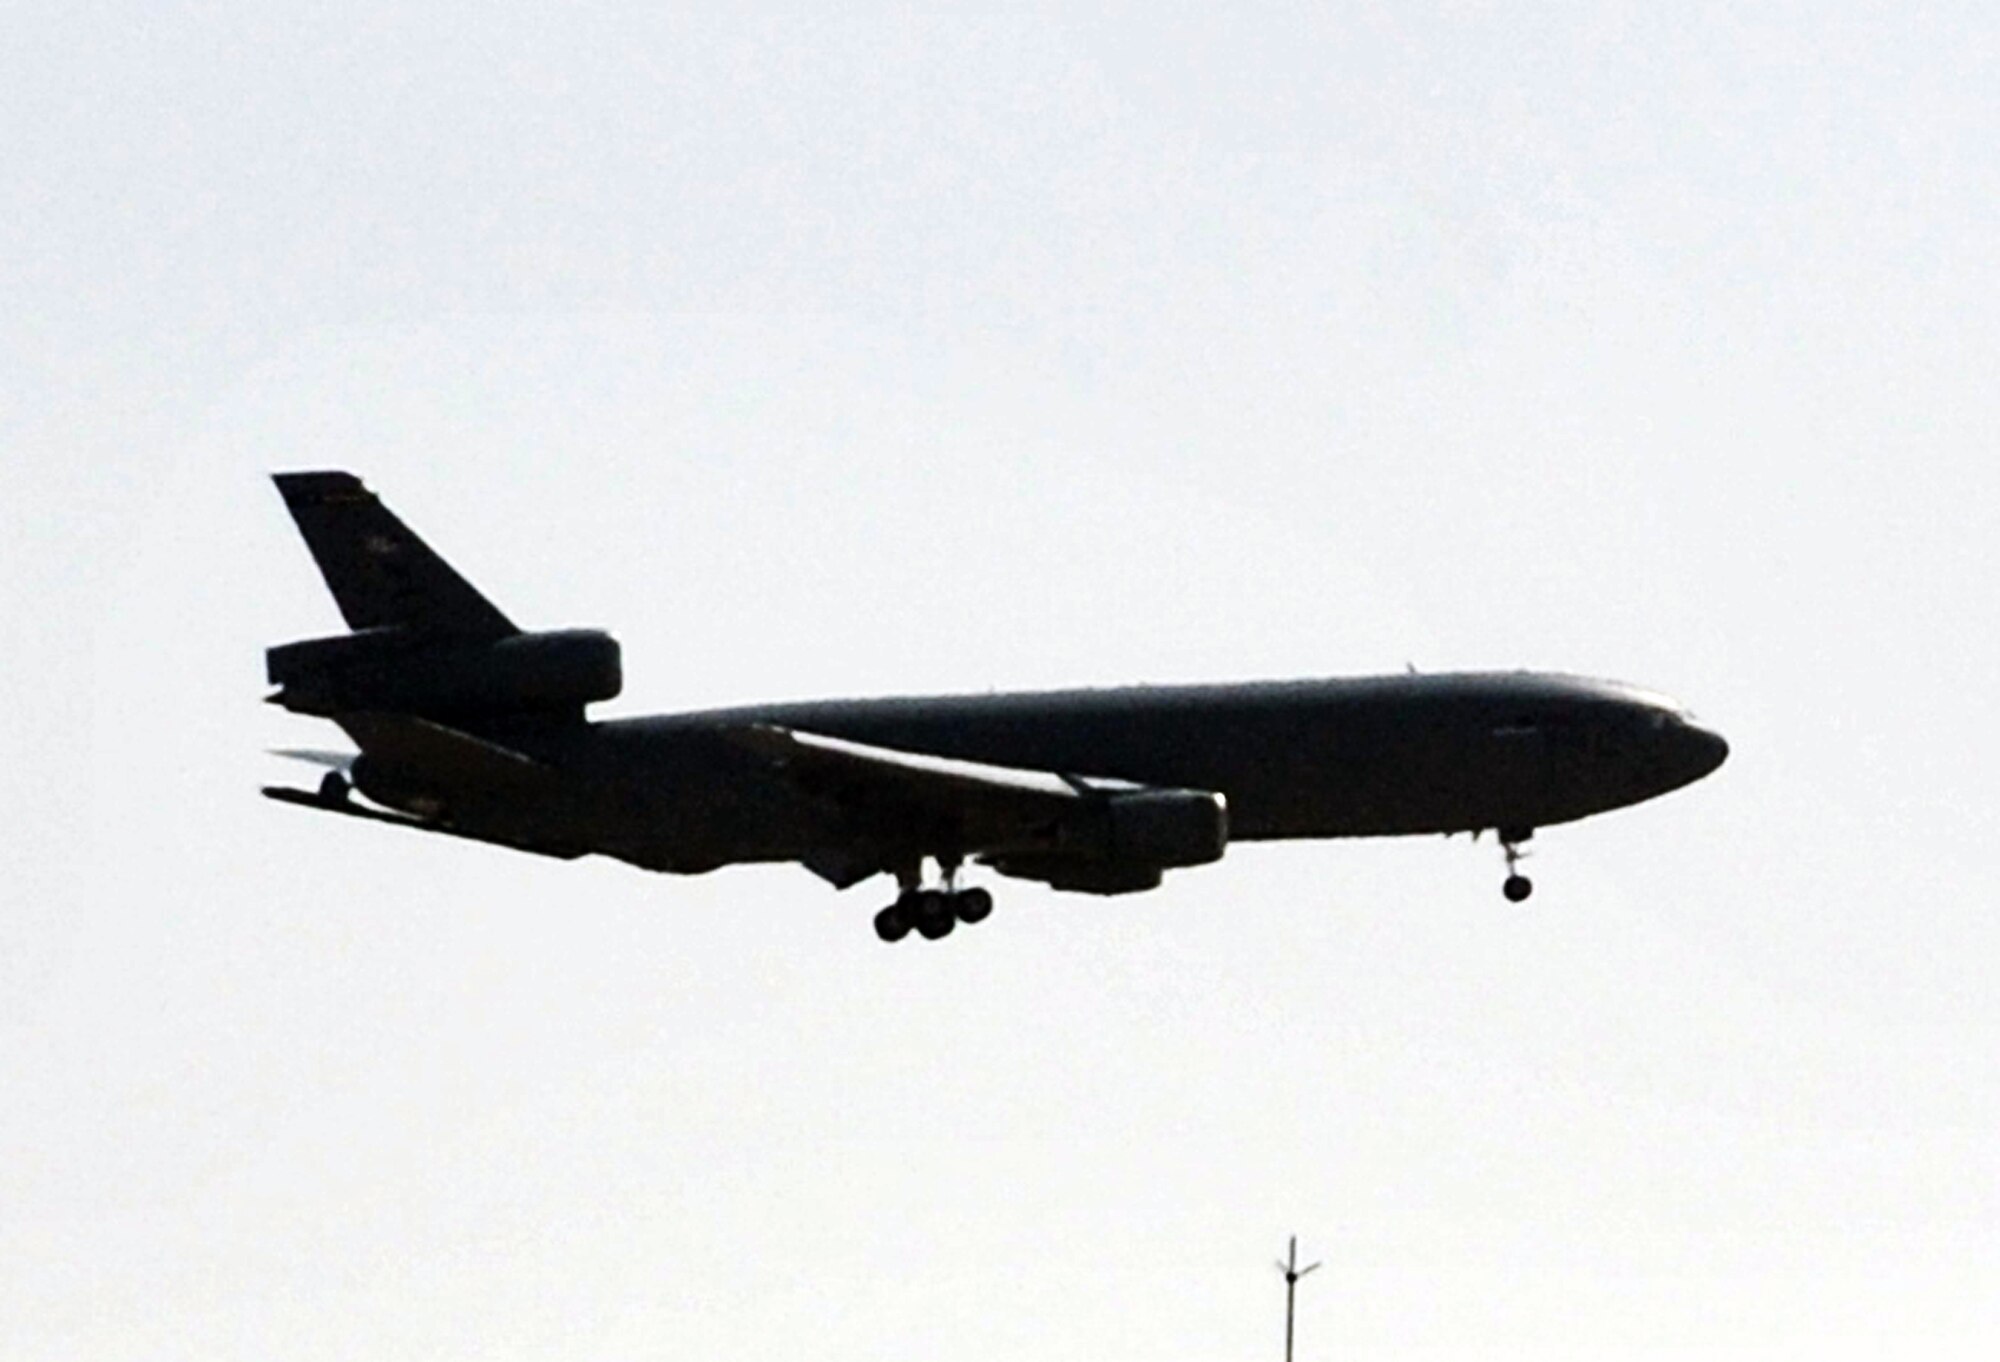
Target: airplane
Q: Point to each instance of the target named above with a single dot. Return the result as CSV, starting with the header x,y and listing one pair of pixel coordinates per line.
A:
x,y
472,727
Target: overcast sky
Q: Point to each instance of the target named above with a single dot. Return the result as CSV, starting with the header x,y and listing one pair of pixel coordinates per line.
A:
x,y
892,351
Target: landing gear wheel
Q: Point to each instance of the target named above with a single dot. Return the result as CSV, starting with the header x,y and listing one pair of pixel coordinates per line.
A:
x,y
934,915
1517,888
973,905
333,788
931,913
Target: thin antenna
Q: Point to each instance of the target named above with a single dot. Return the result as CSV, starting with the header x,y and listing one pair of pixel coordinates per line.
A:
x,y
1290,1267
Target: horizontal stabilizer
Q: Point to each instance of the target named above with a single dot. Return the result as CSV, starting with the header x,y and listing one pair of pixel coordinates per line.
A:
x,y
380,573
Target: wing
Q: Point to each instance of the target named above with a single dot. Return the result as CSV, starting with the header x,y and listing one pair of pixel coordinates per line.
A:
x,y
308,800
438,780
839,761
1075,832
444,757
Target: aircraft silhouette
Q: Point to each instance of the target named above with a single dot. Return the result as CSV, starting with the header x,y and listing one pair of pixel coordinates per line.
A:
x,y
470,726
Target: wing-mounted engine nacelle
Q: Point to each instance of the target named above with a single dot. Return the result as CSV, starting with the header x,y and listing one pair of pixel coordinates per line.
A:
x,y
1166,827
401,671
1130,840
1079,876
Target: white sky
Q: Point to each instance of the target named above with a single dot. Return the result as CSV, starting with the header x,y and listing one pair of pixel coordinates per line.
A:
x,y
900,352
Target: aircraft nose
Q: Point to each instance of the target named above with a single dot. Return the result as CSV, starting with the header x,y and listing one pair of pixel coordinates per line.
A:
x,y
1700,750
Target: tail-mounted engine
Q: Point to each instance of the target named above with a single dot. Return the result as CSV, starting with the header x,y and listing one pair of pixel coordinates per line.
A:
x,y
400,671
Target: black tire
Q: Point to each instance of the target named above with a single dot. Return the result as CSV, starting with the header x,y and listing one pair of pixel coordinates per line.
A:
x,y
333,788
1517,888
974,905
892,924
932,913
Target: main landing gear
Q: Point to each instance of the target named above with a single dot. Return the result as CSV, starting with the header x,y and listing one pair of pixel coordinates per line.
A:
x,y
1517,886
932,913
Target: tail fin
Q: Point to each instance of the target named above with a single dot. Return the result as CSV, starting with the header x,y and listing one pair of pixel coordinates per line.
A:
x,y
380,573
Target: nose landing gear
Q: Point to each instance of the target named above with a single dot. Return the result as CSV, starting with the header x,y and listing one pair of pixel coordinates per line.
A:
x,y
1517,886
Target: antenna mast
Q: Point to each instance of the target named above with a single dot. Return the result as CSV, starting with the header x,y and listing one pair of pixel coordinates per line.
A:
x,y
1290,1267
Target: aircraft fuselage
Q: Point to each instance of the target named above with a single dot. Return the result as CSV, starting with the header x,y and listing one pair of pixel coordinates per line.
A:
x,y
1359,757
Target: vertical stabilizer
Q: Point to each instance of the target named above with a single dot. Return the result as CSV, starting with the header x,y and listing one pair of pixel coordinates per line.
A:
x,y
380,573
